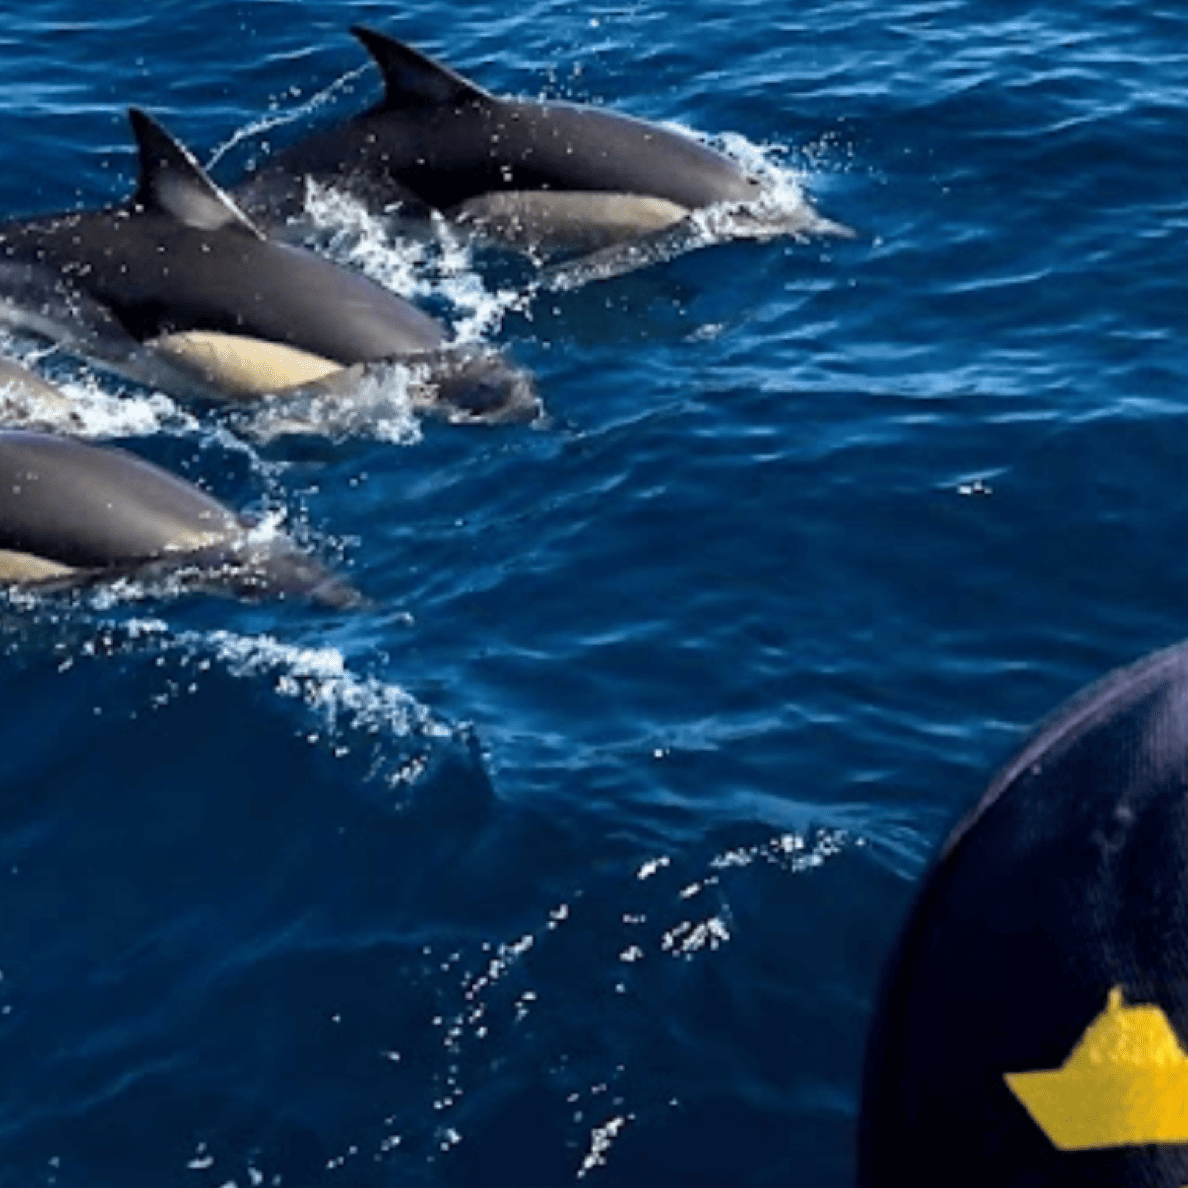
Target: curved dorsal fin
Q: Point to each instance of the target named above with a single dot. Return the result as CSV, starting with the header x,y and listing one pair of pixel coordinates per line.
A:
x,y
412,79
173,183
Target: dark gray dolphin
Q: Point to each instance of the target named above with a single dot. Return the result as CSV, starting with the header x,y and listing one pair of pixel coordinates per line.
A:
x,y
75,514
126,285
528,171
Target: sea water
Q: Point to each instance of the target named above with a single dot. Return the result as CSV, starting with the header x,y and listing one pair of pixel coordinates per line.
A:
x,y
574,857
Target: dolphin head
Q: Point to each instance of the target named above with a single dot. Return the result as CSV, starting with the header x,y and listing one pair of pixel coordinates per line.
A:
x,y
471,383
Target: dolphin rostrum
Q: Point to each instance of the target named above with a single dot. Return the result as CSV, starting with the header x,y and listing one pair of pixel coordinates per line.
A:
x,y
73,514
530,172
177,288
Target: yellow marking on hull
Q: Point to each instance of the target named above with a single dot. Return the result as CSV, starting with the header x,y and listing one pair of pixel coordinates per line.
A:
x,y
1124,1084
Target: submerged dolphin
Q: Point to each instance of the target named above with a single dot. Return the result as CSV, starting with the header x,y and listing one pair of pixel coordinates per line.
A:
x,y
528,171
24,388
177,288
74,514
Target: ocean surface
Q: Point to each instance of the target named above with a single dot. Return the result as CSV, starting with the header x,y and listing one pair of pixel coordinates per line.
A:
x,y
574,858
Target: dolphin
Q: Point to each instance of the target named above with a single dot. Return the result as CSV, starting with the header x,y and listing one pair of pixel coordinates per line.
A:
x,y
528,172
177,288
73,514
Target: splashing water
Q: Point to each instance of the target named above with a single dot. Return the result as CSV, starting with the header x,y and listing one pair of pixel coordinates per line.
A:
x,y
281,118
347,713
438,268
380,406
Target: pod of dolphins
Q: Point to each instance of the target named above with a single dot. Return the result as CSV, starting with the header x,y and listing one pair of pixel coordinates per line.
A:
x,y
192,289
1028,1027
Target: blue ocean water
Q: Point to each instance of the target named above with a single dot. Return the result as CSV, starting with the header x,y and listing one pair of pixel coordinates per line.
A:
x,y
575,857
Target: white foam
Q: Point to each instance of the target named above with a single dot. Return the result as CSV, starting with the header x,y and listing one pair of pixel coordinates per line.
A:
x,y
99,413
343,705
437,268
88,410
350,234
380,406
320,678
92,409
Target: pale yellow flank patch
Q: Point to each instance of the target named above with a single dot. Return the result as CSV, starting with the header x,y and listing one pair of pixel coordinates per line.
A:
x,y
578,219
1124,1084
243,366
25,567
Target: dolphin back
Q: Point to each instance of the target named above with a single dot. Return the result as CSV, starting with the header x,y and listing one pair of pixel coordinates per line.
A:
x,y
75,509
84,505
486,143
181,256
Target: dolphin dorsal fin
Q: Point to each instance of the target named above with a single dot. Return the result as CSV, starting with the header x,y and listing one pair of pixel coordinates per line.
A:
x,y
171,181
412,79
